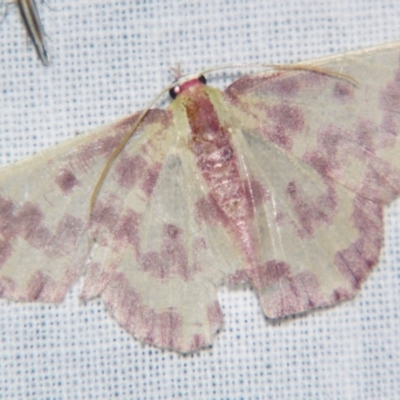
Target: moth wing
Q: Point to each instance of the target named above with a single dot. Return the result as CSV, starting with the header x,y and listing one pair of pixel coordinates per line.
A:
x,y
156,264
347,129
321,157
315,240
44,214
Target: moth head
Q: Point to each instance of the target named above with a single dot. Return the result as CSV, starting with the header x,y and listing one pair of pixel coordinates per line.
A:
x,y
185,83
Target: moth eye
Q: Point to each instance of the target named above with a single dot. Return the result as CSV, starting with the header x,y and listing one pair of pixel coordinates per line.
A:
x,y
173,92
202,79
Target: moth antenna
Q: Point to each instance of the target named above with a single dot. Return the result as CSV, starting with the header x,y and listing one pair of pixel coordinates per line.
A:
x,y
317,70
289,67
177,71
122,144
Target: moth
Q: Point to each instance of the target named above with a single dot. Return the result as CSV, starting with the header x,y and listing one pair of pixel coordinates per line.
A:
x,y
279,181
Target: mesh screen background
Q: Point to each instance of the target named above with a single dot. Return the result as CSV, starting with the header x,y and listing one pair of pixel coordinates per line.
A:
x,y
108,58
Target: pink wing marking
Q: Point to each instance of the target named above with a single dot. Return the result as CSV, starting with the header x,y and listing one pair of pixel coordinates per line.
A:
x,y
50,229
67,181
349,136
353,142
